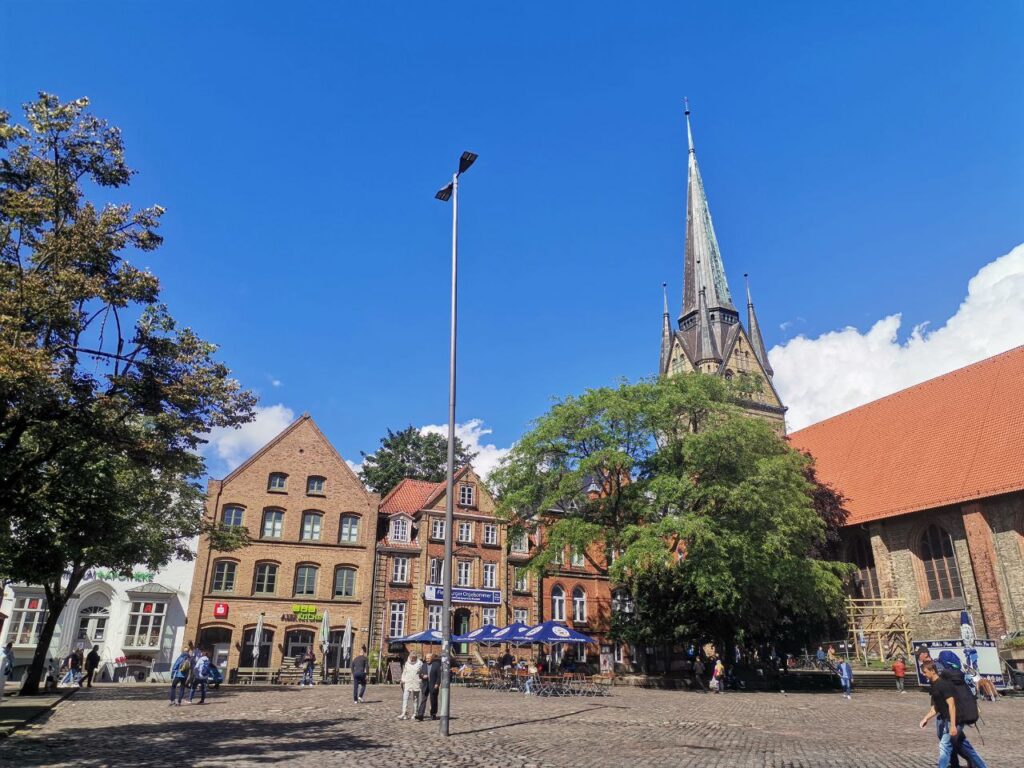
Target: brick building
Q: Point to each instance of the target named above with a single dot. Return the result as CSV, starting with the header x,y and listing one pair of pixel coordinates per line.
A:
x,y
934,477
312,526
410,557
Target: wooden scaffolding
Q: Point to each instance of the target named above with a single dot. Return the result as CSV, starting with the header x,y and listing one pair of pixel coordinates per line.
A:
x,y
878,627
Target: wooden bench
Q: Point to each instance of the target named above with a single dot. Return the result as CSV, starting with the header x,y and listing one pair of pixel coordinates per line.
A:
x,y
246,675
289,674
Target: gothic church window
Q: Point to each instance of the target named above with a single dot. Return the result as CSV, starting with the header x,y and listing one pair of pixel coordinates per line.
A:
x,y
942,576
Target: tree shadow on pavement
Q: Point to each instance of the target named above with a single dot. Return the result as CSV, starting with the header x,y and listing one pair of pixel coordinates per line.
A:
x,y
528,722
184,743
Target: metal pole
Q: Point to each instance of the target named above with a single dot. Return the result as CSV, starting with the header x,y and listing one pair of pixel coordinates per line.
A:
x,y
444,701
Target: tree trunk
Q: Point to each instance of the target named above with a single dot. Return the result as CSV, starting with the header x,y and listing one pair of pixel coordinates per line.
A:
x,y
56,599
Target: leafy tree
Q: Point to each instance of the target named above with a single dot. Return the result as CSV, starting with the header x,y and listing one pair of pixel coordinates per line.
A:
x,y
104,399
710,513
410,453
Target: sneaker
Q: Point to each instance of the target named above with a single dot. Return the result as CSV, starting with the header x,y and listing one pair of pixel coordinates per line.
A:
x,y
402,717
362,700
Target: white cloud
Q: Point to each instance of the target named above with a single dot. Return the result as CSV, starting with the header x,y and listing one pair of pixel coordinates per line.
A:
x,y
357,468
840,370
276,382
471,433
233,446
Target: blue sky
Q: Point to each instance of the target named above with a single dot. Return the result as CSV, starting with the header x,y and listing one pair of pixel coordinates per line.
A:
x,y
860,160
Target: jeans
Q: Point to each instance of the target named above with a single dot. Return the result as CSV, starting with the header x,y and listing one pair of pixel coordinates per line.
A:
x,y
528,686
846,686
199,683
307,676
71,677
179,684
358,687
899,684
950,747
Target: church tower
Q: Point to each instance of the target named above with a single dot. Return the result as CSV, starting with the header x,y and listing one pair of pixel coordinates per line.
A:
x,y
711,337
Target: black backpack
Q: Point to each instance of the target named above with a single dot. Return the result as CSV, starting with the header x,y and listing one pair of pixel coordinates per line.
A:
x,y
966,702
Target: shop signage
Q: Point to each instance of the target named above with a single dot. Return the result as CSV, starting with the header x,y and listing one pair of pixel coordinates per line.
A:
x,y
304,613
481,596
220,610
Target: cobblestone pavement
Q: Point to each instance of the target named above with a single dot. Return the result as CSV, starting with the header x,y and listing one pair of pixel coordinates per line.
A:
x,y
128,726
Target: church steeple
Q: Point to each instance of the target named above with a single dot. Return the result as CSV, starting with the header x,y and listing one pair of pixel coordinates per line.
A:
x,y
703,262
754,331
707,348
666,332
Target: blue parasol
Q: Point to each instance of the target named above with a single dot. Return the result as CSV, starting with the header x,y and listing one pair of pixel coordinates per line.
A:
x,y
430,636
484,634
555,632
513,633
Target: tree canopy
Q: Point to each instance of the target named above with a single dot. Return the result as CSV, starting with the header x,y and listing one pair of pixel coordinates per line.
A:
x,y
410,453
105,400
710,521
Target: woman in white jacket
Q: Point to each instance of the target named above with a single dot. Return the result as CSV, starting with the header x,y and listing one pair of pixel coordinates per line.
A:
x,y
410,684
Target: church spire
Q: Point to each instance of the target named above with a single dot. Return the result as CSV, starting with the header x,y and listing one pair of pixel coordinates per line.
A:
x,y
703,267
756,340
707,348
666,332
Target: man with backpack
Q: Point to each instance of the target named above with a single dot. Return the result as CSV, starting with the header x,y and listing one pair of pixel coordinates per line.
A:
x,y
954,707
200,675
180,670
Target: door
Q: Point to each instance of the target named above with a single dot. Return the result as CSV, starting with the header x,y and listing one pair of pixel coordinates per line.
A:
x,y
461,628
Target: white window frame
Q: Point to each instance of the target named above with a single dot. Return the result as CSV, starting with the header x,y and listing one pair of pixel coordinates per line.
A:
x,y
581,651
312,526
521,543
464,571
559,557
490,575
145,628
399,529
434,616
618,653
577,558
436,570
489,616
521,615
348,531
467,495
396,619
490,534
437,528
25,623
400,569
579,605
466,531
522,580
558,603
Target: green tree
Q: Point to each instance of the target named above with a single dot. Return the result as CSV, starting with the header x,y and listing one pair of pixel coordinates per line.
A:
x,y
709,512
410,453
104,400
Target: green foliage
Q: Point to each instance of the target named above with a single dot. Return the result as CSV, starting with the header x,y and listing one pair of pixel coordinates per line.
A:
x,y
104,399
410,453
714,518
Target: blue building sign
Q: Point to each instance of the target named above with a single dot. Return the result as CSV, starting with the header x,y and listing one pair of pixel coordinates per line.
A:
x,y
460,595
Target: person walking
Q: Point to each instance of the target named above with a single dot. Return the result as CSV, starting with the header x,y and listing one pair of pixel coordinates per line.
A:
x,y
360,671
308,666
719,676
92,661
200,676
846,678
410,685
431,675
698,675
899,669
180,669
73,666
6,667
949,721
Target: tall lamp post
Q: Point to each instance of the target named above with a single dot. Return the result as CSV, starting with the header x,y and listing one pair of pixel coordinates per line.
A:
x,y
450,192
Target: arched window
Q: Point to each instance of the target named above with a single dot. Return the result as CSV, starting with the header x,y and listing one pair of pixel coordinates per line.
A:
x,y
345,582
262,659
92,623
312,523
558,604
305,581
349,531
865,578
940,569
278,481
273,524
231,516
265,579
579,605
224,576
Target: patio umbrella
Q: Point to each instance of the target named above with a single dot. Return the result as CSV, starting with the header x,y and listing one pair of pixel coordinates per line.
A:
x,y
325,641
429,636
551,632
257,637
346,642
513,633
484,634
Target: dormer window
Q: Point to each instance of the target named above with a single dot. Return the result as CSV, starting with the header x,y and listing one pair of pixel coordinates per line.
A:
x,y
399,529
315,485
467,495
277,482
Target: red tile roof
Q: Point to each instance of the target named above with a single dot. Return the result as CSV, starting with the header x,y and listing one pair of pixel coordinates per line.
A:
x,y
949,440
408,496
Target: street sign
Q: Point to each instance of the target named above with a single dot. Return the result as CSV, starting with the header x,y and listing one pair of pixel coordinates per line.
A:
x,y
480,596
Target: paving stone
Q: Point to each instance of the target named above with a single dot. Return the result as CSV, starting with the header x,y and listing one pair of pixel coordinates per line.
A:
x,y
239,726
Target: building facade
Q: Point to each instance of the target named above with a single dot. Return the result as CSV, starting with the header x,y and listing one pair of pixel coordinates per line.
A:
x,y
311,524
488,585
934,481
710,337
137,622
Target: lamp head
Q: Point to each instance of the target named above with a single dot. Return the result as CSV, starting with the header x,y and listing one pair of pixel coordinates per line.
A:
x,y
445,193
467,159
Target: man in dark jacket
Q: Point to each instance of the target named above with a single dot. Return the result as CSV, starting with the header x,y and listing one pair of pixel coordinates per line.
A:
x,y
952,740
92,661
360,670
430,683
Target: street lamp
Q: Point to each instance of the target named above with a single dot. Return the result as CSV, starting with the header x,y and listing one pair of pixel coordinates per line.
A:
x,y
450,192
